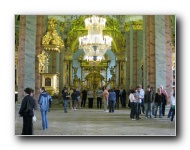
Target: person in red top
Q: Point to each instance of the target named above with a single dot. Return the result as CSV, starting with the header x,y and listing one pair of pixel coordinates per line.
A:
x,y
165,100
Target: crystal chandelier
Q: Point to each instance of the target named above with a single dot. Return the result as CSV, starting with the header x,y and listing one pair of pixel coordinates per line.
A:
x,y
95,44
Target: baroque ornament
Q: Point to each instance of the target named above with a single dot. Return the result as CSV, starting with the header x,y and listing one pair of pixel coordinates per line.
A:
x,y
52,41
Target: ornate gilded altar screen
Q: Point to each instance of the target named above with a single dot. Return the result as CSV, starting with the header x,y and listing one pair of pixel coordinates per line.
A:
x,y
51,82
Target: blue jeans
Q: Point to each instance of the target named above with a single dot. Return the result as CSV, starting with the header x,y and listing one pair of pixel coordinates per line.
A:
x,y
44,119
172,114
65,105
111,106
160,109
148,107
136,109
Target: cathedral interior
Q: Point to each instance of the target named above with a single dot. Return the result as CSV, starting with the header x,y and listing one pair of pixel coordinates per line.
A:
x,y
92,51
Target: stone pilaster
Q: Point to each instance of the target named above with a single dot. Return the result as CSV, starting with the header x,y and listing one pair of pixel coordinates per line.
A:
x,y
26,54
30,48
144,54
152,77
61,74
40,32
147,52
135,58
131,56
21,58
168,43
139,55
128,60
160,51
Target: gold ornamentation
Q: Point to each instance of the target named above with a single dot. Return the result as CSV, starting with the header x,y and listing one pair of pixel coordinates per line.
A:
x,y
42,60
52,41
62,26
137,25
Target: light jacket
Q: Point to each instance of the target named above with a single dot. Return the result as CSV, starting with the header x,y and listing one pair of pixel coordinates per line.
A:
x,y
44,101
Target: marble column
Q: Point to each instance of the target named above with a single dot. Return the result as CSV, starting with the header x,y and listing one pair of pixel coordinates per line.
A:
x,y
139,55
168,43
40,32
61,74
131,56
127,60
160,51
144,53
152,59
135,58
21,57
26,56
147,52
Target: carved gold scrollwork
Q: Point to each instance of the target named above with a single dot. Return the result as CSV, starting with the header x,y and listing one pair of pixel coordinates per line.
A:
x,y
52,41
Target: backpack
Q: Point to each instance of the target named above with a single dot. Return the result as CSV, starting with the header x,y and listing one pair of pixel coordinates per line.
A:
x,y
29,107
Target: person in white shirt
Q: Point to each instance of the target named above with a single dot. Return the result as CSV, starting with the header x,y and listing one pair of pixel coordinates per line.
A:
x,y
171,113
132,103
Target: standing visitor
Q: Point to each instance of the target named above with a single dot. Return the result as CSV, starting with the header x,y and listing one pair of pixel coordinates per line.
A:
x,y
148,100
43,101
117,92
173,103
74,99
27,114
159,98
78,98
70,100
105,95
153,103
90,94
99,98
65,96
111,100
164,103
141,101
84,97
133,105
123,98
138,95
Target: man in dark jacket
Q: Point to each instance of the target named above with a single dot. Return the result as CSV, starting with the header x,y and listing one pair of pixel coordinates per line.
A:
x,y
148,101
26,111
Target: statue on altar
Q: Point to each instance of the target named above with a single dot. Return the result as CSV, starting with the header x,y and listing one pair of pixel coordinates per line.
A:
x,y
42,60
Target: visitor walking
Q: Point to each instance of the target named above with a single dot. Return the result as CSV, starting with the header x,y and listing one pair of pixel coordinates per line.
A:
x,y
43,101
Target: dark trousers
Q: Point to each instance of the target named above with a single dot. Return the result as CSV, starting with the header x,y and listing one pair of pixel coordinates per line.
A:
x,y
117,103
141,108
163,109
172,113
123,102
90,102
83,102
138,107
132,113
111,106
99,102
27,125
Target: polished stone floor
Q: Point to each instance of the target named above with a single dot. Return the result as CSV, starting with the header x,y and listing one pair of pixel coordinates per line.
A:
x,y
96,122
